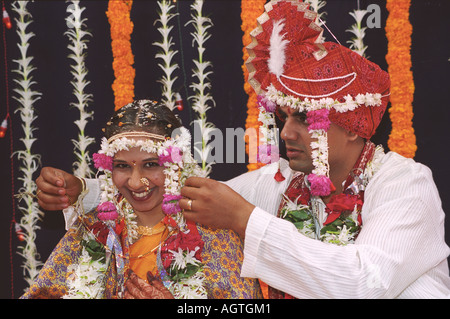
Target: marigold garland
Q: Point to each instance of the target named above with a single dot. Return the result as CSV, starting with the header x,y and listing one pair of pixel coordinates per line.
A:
x,y
398,32
121,28
250,11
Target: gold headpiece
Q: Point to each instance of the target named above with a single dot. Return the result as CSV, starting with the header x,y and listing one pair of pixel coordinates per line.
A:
x,y
136,134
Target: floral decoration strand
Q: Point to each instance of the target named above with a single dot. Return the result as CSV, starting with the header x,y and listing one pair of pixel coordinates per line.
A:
x,y
250,11
167,53
121,28
398,32
30,162
202,98
357,43
77,45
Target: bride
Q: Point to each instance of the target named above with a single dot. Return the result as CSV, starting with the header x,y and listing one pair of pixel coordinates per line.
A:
x,y
136,243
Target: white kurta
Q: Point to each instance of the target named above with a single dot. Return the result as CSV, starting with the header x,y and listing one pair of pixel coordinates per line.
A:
x,y
399,253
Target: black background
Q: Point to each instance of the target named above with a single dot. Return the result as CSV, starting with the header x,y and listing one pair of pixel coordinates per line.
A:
x,y
55,128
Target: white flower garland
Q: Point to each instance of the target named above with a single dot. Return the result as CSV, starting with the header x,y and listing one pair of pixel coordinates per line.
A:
x,y
320,145
77,45
201,97
86,278
309,225
190,288
306,105
166,45
26,97
357,43
175,172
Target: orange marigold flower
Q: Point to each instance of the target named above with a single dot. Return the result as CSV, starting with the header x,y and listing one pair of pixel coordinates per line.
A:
x,y
398,32
250,11
121,28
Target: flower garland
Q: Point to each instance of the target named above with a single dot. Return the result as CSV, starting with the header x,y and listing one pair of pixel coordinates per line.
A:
x,y
201,98
26,97
317,112
86,278
357,43
77,45
179,258
250,11
268,150
167,53
341,229
121,28
341,221
174,155
398,32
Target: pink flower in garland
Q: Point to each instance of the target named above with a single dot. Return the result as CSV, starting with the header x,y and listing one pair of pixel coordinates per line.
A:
x,y
268,105
320,185
171,204
102,162
107,211
174,155
268,153
318,120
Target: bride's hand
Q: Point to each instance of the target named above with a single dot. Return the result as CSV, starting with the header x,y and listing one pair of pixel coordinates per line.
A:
x,y
137,288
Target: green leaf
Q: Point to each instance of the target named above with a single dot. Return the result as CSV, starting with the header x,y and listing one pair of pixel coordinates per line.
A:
x,y
94,248
329,228
299,214
187,272
299,225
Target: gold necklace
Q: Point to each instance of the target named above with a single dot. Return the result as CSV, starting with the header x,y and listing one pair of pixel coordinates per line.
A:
x,y
148,231
153,249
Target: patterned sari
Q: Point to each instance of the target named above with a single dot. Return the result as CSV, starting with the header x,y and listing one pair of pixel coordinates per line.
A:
x,y
222,256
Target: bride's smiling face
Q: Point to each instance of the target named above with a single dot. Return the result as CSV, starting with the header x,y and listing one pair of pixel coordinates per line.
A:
x,y
129,168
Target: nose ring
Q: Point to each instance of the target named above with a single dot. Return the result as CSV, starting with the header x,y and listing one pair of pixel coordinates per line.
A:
x,y
145,181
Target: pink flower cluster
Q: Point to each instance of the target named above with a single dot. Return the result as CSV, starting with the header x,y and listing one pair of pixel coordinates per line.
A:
x,y
318,120
171,204
320,185
107,211
268,154
268,105
102,162
174,155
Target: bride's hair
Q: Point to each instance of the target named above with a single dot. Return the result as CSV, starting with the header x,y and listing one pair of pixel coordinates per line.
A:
x,y
142,115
